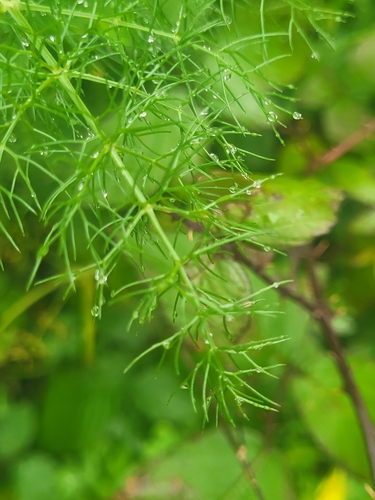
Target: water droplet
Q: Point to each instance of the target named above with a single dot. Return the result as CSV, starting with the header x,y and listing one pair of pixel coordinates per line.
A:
x,y
272,117
232,190
257,184
143,114
166,344
229,20
151,38
25,43
172,200
204,112
249,192
314,56
184,386
95,155
239,401
227,75
100,277
267,102
206,341
81,186
207,48
95,311
231,149
267,249
276,285
12,138
52,38
338,19
135,314
214,157
297,116
105,194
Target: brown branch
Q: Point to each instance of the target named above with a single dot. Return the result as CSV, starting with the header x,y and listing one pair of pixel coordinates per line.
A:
x,y
323,315
344,146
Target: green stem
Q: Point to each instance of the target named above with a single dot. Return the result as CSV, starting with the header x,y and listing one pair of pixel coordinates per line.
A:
x,y
61,75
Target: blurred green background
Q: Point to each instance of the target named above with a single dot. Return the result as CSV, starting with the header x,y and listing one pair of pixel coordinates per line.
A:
x,y
73,426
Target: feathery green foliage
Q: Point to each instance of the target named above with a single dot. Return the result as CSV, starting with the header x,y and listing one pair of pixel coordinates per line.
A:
x,y
129,113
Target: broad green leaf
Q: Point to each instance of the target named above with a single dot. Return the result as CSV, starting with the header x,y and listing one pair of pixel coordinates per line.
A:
x,y
287,212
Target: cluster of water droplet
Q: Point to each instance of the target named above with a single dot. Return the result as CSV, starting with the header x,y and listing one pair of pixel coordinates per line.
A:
x,y
100,277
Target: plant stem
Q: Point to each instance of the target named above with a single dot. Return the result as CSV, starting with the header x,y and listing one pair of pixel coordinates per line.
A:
x,y
61,76
240,451
322,314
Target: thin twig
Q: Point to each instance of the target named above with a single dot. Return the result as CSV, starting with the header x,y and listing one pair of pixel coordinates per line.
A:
x,y
240,450
344,146
325,319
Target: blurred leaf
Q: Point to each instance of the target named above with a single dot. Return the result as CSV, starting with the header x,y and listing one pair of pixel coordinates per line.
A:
x,y
364,224
336,429
17,428
152,392
292,212
357,181
36,479
334,487
77,405
206,467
